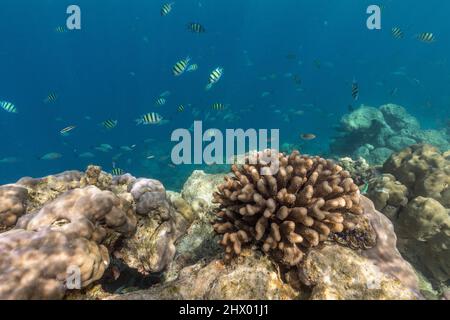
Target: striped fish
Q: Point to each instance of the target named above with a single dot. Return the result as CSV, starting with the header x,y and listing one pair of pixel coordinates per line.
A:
x,y
397,33
355,90
8,107
109,124
426,37
181,108
60,29
166,9
196,27
218,106
179,67
214,77
66,130
192,68
52,97
160,102
150,118
117,172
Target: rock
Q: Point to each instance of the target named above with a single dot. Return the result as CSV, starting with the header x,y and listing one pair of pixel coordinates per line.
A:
x,y
68,236
385,254
198,191
388,195
44,190
339,273
415,195
362,118
252,278
398,118
399,142
161,223
13,204
422,219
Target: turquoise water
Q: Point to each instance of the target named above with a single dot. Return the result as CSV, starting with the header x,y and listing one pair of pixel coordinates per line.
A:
x,y
288,64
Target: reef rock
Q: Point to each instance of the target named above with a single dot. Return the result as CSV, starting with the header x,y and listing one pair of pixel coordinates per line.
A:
x,y
415,194
252,278
198,191
13,204
71,234
375,134
339,273
161,222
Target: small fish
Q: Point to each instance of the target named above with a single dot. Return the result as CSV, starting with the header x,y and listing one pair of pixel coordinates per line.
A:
x,y
9,160
51,156
165,94
179,67
117,172
291,56
109,124
214,77
297,79
180,108
196,27
192,68
393,92
160,101
8,107
218,106
66,130
308,136
427,37
397,33
60,29
355,90
86,155
166,9
364,188
150,157
52,97
150,118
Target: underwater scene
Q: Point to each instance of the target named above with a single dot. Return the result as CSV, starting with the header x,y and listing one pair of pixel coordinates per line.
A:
x,y
224,150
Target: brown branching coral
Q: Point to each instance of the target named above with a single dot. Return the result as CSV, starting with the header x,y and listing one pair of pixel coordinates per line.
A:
x,y
287,212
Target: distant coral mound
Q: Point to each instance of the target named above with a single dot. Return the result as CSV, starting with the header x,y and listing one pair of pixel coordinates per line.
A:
x,y
376,133
296,208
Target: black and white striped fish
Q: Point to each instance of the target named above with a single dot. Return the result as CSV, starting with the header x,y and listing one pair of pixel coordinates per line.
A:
x,y
180,67
109,124
117,172
218,106
8,107
397,33
160,101
426,37
355,90
52,97
196,27
214,77
166,9
150,118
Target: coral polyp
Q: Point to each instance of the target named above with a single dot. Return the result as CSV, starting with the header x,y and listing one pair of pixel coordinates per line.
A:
x,y
285,213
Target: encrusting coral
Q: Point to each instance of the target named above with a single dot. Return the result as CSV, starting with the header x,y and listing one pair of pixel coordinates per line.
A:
x,y
296,208
13,204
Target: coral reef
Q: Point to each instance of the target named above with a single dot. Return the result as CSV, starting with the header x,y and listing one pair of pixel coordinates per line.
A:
x,y
414,193
13,204
377,133
297,208
255,278
65,234
338,273
160,224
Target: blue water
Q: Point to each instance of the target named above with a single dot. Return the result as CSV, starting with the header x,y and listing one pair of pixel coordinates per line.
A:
x,y
119,63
